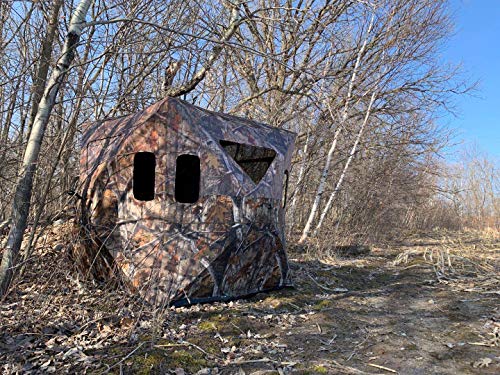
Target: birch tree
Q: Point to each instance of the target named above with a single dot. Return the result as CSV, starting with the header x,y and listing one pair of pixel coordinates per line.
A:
x,y
354,148
23,191
326,169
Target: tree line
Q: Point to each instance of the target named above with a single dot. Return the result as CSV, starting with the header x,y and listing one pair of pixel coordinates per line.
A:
x,y
359,81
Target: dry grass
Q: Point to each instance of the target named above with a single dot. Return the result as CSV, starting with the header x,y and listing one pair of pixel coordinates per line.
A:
x,y
470,258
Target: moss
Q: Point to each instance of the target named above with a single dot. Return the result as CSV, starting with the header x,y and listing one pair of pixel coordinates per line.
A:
x,y
210,344
326,274
320,369
242,324
149,362
159,361
304,369
285,303
411,347
207,326
226,324
215,323
186,360
322,304
464,335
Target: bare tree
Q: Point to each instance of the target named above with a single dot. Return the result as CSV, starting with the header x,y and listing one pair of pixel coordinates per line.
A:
x,y
358,81
21,205
340,127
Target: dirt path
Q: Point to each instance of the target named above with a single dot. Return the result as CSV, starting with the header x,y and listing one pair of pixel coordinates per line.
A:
x,y
401,319
359,315
391,318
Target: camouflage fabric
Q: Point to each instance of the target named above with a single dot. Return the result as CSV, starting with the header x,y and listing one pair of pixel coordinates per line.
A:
x,y
229,243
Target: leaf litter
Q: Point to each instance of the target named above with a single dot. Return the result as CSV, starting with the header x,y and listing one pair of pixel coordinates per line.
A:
x,y
394,310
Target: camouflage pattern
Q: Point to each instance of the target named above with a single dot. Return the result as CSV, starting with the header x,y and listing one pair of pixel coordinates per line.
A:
x,y
229,243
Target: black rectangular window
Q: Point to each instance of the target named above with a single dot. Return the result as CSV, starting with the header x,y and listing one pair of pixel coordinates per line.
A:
x,y
143,183
187,178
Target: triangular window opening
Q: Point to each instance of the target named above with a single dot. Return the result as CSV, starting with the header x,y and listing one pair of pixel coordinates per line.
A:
x,y
254,161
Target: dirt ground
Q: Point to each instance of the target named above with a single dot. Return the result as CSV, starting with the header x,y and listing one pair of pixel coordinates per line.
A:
x,y
429,305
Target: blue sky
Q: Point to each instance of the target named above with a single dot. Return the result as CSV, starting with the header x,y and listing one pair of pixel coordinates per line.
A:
x,y
476,45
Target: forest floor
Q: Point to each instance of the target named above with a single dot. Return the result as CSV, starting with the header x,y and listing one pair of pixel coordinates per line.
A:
x,y
429,305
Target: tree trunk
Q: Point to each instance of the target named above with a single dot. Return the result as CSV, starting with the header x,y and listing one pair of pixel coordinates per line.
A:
x,y
23,191
326,168
44,63
346,166
298,184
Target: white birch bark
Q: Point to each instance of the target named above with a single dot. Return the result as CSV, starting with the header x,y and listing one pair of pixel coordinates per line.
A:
x,y
293,204
326,169
22,197
44,63
346,166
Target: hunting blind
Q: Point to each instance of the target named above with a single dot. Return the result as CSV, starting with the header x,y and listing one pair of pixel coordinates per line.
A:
x,y
187,202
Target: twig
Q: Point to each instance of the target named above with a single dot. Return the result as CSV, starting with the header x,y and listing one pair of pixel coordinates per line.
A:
x,y
329,342
124,358
480,344
197,347
185,343
382,368
262,360
355,350
169,345
238,328
318,284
